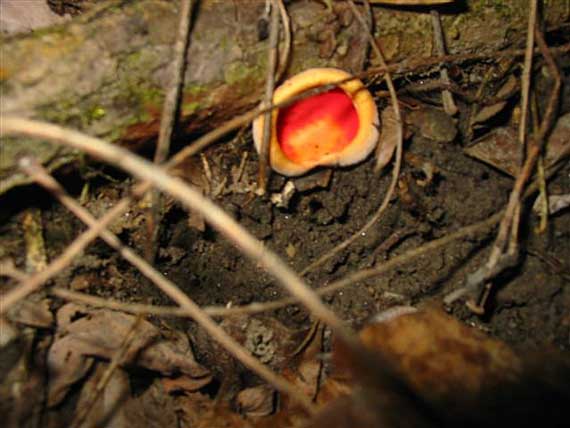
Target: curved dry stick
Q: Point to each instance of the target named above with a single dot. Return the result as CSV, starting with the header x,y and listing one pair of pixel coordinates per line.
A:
x,y
391,90
187,305
193,199
397,163
526,75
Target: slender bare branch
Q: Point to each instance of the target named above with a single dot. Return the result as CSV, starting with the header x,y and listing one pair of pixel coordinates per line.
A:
x,y
264,169
284,55
146,171
187,306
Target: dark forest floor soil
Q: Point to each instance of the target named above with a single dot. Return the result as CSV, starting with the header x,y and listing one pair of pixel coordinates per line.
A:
x,y
530,308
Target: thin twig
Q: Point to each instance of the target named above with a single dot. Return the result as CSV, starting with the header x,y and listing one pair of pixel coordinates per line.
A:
x,y
187,306
168,120
503,253
526,75
233,231
393,96
397,164
542,198
284,55
499,260
446,96
264,169
176,81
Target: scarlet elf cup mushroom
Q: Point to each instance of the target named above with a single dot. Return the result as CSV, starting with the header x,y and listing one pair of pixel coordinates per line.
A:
x,y
336,127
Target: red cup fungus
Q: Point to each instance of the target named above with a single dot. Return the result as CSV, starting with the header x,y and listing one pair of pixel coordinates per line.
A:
x,y
336,127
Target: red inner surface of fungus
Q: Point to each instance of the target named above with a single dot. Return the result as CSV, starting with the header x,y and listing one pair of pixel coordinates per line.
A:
x,y
316,126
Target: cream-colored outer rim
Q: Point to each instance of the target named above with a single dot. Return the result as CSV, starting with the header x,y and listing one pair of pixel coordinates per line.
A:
x,y
360,147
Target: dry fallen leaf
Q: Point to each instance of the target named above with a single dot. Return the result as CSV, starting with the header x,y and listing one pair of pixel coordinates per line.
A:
x,y
115,406
501,149
32,313
489,111
433,124
388,138
100,334
432,371
306,370
256,401
440,355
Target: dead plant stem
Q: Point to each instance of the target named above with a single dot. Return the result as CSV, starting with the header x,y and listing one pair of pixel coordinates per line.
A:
x,y
168,120
168,117
264,169
526,75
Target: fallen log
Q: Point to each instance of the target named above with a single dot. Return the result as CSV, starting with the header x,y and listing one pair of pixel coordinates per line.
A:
x,y
105,72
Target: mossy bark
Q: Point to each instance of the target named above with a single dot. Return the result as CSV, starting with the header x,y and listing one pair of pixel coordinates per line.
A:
x,y
105,72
